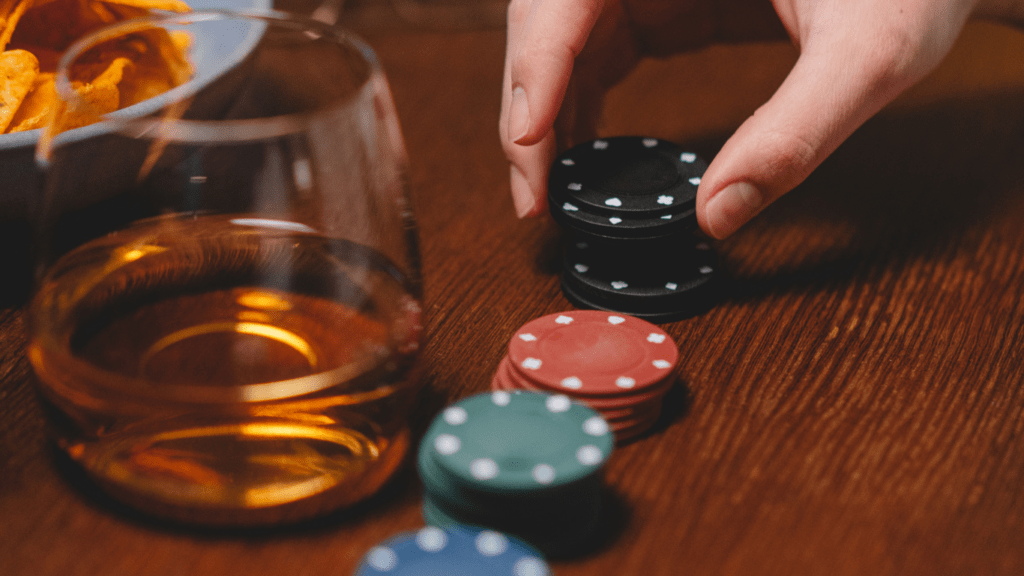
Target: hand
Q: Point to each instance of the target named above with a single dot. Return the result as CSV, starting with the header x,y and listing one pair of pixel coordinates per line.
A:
x,y
855,57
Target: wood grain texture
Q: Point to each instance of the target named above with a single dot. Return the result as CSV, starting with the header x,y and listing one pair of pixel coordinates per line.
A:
x,y
854,405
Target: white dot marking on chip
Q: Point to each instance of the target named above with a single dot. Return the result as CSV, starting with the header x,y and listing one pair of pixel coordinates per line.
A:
x,y
455,415
558,403
619,285
382,559
543,474
665,199
527,337
569,207
688,157
581,268
568,162
625,382
650,142
706,270
695,180
614,320
666,217
615,220
575,186
431,539
655,338
491,543
483,468
600,144
671,285
447,444
663,364
595,426
589,455
531,363
501,398
530,567
572,383
613,202
563,319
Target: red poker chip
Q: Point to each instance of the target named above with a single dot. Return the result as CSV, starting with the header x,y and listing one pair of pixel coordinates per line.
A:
x,y
616,414
593,353
627,430
628,434
649,398
612,415
653,393
625,427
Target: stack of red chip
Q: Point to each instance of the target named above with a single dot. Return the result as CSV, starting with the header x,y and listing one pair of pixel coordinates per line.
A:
x,y
619,365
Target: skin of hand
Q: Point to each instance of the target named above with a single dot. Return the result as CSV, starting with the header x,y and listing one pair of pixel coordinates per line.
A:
x,y
856,56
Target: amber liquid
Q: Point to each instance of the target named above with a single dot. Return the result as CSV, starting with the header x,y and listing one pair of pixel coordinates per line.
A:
x,y
228,370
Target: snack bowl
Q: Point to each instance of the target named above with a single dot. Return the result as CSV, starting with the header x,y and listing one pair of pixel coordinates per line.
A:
x,y
212,56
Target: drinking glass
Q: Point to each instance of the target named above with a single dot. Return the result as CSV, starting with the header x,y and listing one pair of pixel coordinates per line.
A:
x,y
227,308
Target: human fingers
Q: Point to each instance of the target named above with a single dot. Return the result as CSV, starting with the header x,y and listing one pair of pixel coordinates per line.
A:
x,y
544,38
855,58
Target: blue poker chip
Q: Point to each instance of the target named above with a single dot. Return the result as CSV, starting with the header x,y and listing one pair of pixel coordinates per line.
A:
x,y
453,551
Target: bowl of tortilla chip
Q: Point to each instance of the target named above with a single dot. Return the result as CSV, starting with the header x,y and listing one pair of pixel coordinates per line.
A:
x,y
34,33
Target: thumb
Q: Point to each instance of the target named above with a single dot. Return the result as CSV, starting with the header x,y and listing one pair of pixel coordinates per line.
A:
x,y
830,92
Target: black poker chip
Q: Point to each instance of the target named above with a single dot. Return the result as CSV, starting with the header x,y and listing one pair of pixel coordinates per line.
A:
x,y
627,206
671,285
625,188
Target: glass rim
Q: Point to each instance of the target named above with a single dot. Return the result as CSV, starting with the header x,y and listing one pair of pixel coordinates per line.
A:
x,y
187,130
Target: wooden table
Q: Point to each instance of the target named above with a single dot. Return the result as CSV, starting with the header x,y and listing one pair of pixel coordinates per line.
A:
x,y
854,406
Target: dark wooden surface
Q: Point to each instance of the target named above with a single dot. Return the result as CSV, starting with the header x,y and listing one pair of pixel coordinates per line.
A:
x,y
854,406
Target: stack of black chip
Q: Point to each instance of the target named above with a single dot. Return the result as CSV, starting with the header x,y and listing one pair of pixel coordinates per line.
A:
x,y
627,205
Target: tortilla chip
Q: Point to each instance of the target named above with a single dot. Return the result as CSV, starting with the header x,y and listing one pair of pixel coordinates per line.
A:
x,y
10,20
114,72
111,76
169,5
37,106
96,98
18,71
103,12
57,24
94,101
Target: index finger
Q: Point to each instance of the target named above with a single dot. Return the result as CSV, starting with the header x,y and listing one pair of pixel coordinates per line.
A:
x,y
545,36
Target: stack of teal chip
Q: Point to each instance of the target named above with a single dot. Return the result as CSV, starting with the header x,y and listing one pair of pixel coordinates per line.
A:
x,y
524,463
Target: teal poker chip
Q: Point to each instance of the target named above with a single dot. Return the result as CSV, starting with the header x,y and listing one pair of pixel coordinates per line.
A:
x,y
517,442
467,497
453,550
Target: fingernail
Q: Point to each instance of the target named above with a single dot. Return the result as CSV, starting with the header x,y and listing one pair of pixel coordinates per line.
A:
x,y
522,196
518,115
732,207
